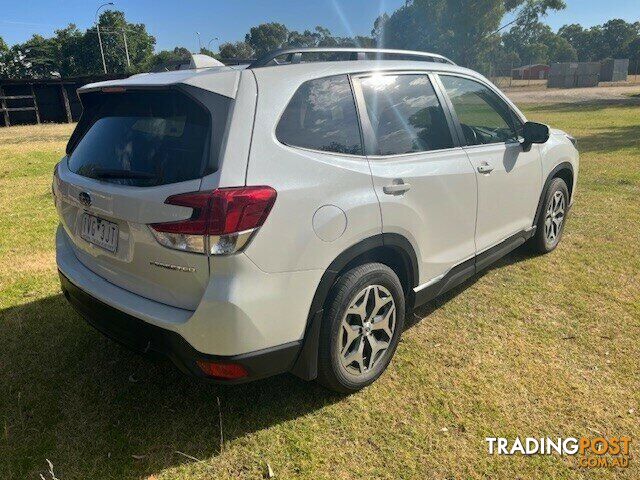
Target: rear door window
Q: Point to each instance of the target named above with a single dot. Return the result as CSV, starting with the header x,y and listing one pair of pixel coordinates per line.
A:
x,y
142,138
322,116
405,114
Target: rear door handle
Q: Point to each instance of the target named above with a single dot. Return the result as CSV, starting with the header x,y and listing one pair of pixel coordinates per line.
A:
x,y
398,187
484,167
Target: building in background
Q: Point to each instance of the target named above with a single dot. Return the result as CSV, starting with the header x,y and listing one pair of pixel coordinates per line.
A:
x,y
574,74
27,101
538,71
614,70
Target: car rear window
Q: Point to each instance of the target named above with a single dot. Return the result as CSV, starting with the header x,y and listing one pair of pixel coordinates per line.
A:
x,y
322,116
142,138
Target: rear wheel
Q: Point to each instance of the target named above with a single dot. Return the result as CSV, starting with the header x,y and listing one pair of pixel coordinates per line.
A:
x,y
364,318
552,218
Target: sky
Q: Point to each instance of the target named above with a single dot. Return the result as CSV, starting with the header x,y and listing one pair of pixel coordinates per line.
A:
x,y
175,23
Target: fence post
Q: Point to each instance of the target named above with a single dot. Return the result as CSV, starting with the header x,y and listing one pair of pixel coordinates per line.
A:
x,y
35,104
65,100
3,107
511,74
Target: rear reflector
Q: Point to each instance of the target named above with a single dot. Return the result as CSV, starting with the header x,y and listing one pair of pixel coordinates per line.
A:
x,y
226,218
227,371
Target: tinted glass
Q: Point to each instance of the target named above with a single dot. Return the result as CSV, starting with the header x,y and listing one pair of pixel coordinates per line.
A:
x,y
142,139
484,117
322,116
405,114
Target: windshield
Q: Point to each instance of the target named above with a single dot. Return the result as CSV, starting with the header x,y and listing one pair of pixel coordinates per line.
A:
x,y
142,138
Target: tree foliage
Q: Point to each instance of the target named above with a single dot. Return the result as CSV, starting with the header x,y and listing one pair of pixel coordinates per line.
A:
x,y
266,37
461,29
167,60
468,31
236,50
71,52
614,39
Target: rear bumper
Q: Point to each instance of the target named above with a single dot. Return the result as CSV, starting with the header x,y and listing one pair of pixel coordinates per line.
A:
x,y
243,309
144,337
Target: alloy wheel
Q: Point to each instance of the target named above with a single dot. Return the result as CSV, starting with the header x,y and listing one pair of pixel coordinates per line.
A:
x,y
554,217
366,329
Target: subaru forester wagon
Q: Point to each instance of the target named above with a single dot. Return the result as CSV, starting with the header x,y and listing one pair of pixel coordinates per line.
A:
x,y
285,216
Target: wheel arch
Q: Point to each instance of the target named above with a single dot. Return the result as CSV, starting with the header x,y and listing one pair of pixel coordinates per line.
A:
x,y
391,249
564,171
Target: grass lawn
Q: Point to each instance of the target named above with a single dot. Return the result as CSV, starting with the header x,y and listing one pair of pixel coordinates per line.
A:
x,y
537,346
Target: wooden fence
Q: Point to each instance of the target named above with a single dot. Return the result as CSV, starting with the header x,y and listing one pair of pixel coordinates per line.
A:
x,y
32,101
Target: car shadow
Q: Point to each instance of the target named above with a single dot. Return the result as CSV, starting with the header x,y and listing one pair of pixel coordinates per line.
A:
x,y
421,313
89,405
70,395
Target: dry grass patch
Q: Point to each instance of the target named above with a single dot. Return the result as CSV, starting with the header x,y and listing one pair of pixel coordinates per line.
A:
x,y
536,346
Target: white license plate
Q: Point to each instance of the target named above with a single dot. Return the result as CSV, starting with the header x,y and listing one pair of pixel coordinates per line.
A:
x,y
99,232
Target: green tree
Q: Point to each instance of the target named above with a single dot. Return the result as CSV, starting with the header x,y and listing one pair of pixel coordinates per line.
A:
x,y
461,29
267,37
617,36
634,56
579,38
537,43
560,50
167,60
615,39
113,27
304,39
236,50
70,51
35,58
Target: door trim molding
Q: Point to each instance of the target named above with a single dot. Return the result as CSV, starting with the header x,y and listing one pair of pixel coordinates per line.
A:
x,y
468,268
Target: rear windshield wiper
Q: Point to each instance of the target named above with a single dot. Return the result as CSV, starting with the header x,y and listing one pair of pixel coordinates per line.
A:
x,y
116,173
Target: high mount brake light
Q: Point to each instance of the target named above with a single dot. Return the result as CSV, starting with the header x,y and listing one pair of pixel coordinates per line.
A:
x,y
222,220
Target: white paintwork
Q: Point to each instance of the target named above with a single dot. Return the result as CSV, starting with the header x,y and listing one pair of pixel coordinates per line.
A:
x,y
132,208
438,213
261,298
242,309
329,222
198,60
508,195
234,152
221,80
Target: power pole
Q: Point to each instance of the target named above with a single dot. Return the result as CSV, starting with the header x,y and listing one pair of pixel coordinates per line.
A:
x,y
104,63
126,48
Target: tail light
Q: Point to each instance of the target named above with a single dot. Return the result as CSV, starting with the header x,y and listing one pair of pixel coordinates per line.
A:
x,y
222,221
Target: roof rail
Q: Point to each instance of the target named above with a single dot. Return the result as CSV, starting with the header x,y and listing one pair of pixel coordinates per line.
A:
x,y
294,55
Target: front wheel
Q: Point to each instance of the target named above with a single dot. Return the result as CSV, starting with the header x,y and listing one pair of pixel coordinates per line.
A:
x,y
364,318
552,218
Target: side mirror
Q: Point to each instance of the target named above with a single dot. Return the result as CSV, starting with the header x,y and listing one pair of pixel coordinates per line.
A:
x,y
534,132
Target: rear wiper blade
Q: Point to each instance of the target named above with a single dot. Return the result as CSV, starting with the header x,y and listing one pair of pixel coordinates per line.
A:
x,y
116,173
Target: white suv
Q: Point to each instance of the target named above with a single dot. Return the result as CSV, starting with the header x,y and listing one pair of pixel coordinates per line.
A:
x,y
286,215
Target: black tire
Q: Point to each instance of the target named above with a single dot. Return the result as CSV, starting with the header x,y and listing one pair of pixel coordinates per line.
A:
x,y
331,372
540,243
